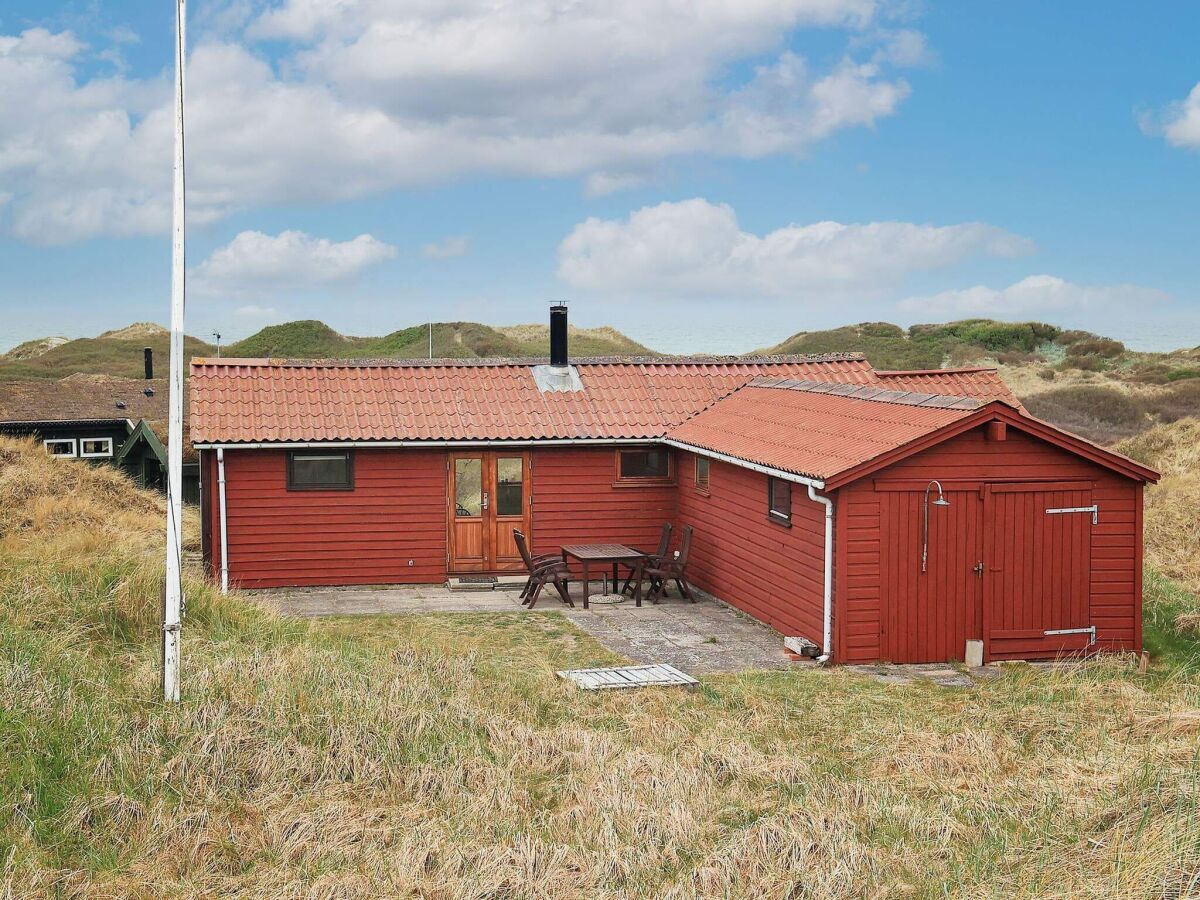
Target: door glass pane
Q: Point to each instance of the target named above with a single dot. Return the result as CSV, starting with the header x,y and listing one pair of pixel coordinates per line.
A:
x,y
509,486
468,487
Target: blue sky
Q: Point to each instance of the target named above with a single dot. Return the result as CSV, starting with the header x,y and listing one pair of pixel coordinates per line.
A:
x,y
712,179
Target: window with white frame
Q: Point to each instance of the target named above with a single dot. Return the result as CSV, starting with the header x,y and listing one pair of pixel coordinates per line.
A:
x,y
60,446
94,448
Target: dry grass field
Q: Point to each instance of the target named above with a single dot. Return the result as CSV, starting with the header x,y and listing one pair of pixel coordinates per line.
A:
x,y
439,757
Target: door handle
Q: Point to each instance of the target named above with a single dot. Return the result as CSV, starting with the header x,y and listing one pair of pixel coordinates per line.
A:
x,y
485,500
978,568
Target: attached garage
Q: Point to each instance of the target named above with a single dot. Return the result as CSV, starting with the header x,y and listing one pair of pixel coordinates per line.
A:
x,y
1033,546
955,520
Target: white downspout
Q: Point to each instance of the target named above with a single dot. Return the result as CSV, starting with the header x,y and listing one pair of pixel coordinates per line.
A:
x,y
827,640
221,515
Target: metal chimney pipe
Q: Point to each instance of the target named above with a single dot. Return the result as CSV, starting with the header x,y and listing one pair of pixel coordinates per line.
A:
x,y
148,355
559,357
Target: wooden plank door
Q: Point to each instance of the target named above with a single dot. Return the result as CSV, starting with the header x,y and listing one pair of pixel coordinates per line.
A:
x,y
929,616
488,497
1037,555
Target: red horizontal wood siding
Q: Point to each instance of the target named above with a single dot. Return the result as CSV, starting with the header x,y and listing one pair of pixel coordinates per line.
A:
x,y
774,573
577,500
396,513
1115,590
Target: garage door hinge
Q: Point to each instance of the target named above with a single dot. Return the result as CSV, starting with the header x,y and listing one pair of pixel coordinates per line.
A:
x,y
1090,630
1094,510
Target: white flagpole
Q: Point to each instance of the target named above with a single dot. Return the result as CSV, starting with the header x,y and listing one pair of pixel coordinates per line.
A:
x,y
173,595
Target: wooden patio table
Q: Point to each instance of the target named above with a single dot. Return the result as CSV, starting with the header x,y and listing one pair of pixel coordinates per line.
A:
x,y
600,553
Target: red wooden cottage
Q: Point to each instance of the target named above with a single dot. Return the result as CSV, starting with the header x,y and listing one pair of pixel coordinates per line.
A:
x,y
878,515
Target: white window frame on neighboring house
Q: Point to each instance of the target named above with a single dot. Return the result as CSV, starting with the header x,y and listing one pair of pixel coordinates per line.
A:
x,y
106,453
49,442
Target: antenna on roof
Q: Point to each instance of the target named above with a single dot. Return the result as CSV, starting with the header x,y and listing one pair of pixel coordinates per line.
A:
x,y
431,340
217,335
173,590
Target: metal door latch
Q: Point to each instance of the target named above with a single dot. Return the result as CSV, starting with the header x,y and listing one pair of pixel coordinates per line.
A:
x,y
1094,510
978,568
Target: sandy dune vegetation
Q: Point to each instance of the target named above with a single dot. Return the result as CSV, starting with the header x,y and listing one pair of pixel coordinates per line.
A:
x,y
438,756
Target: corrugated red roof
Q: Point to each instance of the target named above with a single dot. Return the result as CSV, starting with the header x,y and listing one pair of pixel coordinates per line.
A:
x,y
984,383
810,431
274,400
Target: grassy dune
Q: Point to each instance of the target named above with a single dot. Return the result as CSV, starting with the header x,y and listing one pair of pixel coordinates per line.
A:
x,y
120,352
437,756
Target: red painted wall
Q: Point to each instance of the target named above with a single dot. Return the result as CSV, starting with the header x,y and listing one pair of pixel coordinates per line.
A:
x,y
772,572
1115,592
277,537
397,512
577,500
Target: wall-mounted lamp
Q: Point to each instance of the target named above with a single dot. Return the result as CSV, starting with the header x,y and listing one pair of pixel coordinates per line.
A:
x,y
940,501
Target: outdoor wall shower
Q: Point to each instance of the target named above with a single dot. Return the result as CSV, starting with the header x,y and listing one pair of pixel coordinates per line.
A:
x,y
940,501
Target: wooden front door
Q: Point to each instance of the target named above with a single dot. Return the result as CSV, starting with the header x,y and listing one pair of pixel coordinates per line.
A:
x,y
1037,559
928,616
489,494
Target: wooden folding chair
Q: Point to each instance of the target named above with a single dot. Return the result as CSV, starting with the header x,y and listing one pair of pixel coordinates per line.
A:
x,y
649,559
672,568
544,569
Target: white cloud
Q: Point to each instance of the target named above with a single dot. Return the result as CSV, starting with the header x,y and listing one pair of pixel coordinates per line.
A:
x,y
696,248
253,311
1179,122
1037,294
600,184
457,245
292,260
371,95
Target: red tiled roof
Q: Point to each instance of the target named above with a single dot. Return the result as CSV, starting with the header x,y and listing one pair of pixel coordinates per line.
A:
x,y
986,384
818,431
274,400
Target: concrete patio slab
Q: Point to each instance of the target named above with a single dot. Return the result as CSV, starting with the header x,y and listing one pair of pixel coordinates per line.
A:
x,y
699,638
702,637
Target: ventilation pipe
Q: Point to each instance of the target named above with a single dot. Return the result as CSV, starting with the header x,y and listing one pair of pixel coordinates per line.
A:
x,y
827,636
148,358
559,357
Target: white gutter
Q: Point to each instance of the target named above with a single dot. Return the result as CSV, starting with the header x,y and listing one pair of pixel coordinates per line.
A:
x,y
222,517
522,442
827,640
735,461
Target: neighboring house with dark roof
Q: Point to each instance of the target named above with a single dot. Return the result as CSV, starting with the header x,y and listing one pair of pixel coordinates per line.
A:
x,y
99,418
808,483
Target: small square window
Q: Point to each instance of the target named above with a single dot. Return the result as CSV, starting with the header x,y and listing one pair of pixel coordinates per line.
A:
x,y
64,447
320,470
779,494
650,464
702,464
93,448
